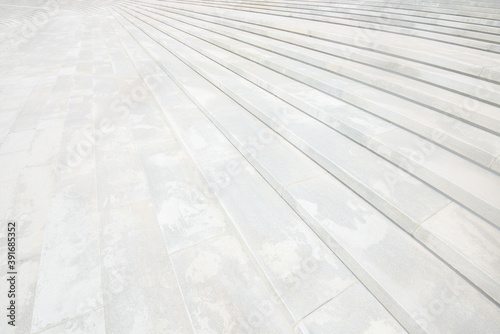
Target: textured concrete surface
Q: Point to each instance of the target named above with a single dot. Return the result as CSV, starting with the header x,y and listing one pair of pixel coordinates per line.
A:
x,y
225,166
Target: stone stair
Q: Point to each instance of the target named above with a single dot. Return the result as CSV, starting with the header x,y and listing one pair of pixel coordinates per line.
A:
x,y
270,166
396,173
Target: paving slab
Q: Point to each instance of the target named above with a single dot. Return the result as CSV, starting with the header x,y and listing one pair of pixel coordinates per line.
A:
x,y
188,167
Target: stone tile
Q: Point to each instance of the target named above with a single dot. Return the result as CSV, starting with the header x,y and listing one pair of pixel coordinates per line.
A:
x,y
80,101
104,85
120,178
17,141
402,197
26,280
141,293
112,112
24,121
149,124
275,158
92,322
46,143
444,170
223,292
7,119
304,272
188,213
468,243
203,138
69,281
496,165
102,68
6,192
109,141
11,164
355,310
454,134
390,262
82,83
28,206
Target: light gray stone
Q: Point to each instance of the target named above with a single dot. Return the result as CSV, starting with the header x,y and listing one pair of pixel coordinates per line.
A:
x,y
467,242
69,280
447,172
120,178
92,322
187,211
303,271
408,279
354,310
139,285
224,292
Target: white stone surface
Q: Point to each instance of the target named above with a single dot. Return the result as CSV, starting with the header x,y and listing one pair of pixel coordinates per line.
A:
x,y
188,167
468,243
390,263
140,290
467,183
354,310
69,283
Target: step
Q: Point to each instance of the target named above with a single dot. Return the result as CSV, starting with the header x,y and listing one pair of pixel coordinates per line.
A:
x,y
444,170
478,40
484,147
455,10
296,275
470,245
436,158
366,12
477,88
369,244
485,206
441,99
277,113
483,151
431,12
456,58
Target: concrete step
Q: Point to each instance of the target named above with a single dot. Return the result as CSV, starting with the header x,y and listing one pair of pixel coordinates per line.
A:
x,y
279,115
480,89
366,12
455,58
455,9
352,232
448,102
485,206
420,149
432,12
473,39
293,258
484,147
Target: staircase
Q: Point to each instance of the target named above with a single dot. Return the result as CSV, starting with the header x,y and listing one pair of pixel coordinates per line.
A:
x,y
344,158
376,123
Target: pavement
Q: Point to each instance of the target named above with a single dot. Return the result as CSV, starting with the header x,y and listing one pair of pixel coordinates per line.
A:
x,y
230,166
